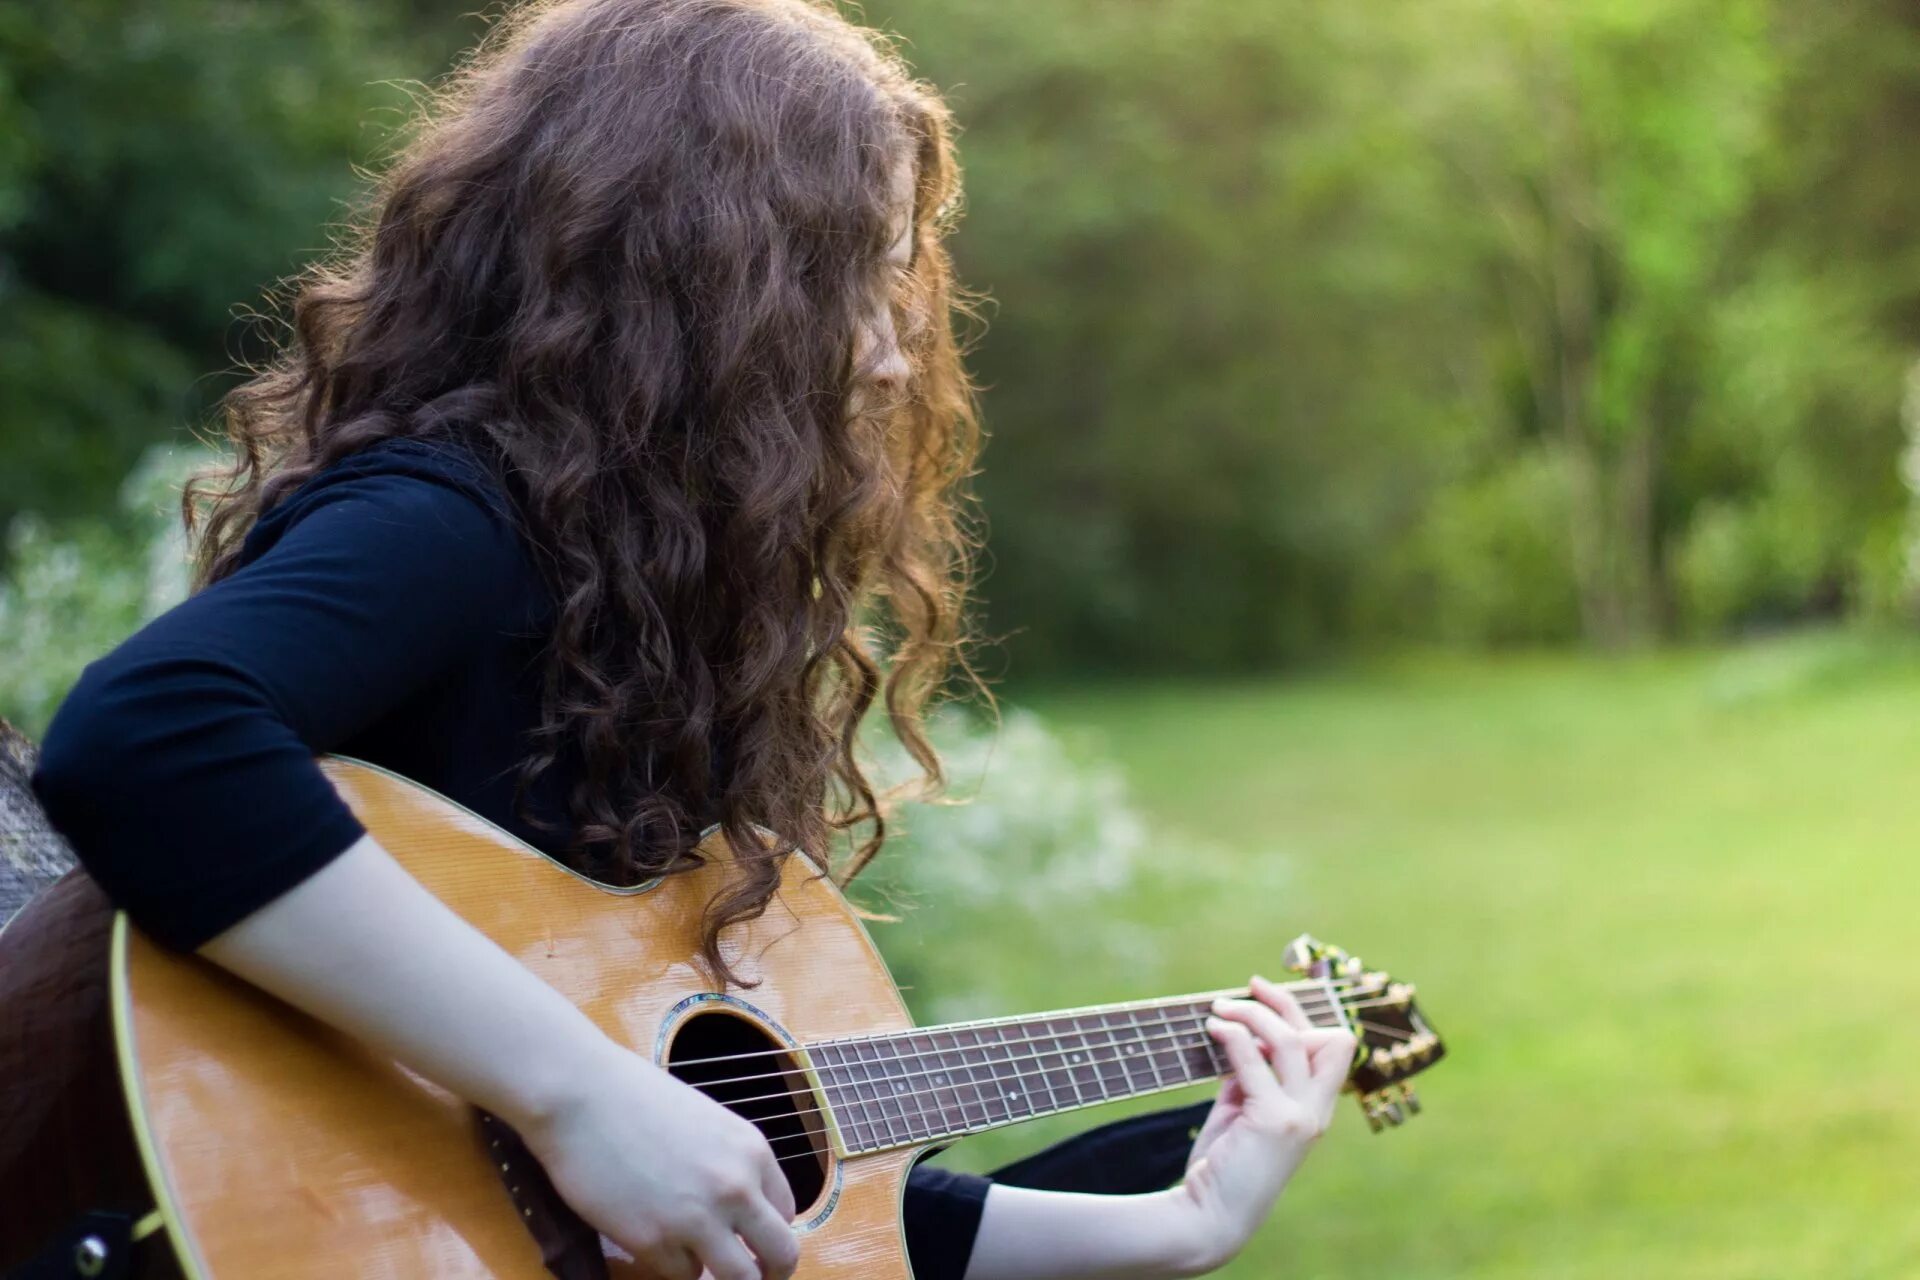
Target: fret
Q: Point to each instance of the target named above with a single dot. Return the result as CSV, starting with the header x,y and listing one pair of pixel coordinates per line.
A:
x,y
1170,1039
907,1085
938,1080
925,1080
1041,1045
873,1093
1128,1053
1010,1072
1196,1049
879,1125
943,1082
1110,1060
1113,1059
1200,1053
901,1084
1163,1052
986,1082
887,1081
974,1099
993,1051
1143,1047
849,1109
960,1051
1217,1055
1064,1068
1086,1063
1330,1013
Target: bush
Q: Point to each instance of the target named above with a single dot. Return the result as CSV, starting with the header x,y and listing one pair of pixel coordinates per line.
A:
x,y
1490,564
72,593
1016,874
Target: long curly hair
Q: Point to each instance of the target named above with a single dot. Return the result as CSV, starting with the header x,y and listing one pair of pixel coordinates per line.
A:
x,y
624,253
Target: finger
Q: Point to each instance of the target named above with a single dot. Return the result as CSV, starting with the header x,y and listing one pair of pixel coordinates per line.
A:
x,y
773,1184
1289,1055
670,1261
1332,1063
1243,1054
772,1239
1331,1048
727,1258
1281,1001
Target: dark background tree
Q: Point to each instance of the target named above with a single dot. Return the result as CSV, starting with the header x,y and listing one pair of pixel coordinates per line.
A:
x,y
1316,325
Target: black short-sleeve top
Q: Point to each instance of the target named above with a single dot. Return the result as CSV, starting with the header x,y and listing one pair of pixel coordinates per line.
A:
x,y
388,609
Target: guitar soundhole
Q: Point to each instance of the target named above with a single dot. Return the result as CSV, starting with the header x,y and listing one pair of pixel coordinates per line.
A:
x,y
748,1072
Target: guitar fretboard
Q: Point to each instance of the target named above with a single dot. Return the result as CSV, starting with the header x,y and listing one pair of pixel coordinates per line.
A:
x,y
936,1083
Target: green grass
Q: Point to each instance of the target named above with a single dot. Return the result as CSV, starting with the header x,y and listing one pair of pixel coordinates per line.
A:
x,y
1663,909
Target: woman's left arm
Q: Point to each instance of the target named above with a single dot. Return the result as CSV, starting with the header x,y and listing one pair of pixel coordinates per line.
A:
x,y
1276,1104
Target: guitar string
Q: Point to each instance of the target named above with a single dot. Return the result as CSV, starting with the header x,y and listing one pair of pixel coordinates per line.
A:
x,y
1113,1033
889,1140
1170,1032
1184,1038
979,1100
923,1056
1314,1005
1318,988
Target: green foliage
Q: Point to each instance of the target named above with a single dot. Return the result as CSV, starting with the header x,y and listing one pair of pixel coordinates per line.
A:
x,y
1313,317
1486,321
86,391
68,596
158,171
1490,565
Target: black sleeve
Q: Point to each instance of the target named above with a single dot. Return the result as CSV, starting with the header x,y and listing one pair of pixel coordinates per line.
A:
x,y
180,767
940,1216
1128,1156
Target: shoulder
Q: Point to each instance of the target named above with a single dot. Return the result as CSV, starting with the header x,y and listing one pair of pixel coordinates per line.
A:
x,y
415,516
431,484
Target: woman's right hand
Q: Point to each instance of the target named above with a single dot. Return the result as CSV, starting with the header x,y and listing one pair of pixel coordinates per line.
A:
x,y
659,1167
667,1173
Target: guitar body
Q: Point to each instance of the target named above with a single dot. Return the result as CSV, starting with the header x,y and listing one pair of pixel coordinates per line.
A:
x,y
280,1150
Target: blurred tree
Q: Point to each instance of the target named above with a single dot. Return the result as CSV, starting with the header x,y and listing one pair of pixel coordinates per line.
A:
x,y
158,169
1479,320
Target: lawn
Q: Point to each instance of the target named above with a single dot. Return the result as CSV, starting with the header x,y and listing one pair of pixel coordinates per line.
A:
x,y
1662,908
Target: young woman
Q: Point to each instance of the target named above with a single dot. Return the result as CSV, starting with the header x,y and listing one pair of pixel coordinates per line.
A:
x,y
609,475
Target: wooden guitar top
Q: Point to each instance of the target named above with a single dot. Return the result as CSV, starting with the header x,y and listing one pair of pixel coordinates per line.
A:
x,y
281,1150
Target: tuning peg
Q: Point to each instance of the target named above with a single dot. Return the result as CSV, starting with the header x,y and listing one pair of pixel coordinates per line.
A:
x,y
1381,1110
1411,1099
1301,954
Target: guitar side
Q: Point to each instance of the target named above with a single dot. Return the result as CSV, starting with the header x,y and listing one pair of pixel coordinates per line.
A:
x,y
281,1149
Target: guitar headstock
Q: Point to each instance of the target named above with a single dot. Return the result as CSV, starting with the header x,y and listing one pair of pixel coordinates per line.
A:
x,y
1396,1043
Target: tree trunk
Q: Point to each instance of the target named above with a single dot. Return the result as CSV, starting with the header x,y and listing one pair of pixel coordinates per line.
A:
x,y
32,854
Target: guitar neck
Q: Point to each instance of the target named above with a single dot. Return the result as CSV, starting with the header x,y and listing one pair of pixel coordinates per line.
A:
x,y
932,1084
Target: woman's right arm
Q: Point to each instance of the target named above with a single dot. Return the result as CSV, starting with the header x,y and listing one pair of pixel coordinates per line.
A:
x,y
671,1175
181,769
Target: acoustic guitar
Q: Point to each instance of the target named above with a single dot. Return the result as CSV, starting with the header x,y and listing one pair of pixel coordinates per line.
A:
x,y
237,1139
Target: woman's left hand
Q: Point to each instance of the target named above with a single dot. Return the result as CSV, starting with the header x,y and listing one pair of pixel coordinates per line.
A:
x,y
1286,1077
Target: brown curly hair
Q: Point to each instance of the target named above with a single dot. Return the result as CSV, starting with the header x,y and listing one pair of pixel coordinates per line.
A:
x,y
624,253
